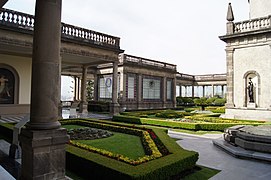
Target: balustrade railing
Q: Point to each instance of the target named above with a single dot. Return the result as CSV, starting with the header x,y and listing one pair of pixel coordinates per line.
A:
x,y
149,62
211,77
251,25
10,18
16,19
185,76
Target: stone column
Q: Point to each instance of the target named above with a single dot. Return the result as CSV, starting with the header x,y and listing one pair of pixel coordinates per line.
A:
x,y
203,91
213,90
114,106
79,88
222,91
230,76
181,91
125,85
83,107
75,88
174,92
96,95
164,92
43,141
193,90
139,91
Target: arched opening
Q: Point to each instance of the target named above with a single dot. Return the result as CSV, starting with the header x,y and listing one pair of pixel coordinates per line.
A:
x,y
8,85
252,88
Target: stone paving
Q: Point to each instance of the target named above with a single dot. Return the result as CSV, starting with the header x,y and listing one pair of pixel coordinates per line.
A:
x,y
213,157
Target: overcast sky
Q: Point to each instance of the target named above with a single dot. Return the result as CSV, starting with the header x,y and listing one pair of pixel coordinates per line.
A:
x,y
184,33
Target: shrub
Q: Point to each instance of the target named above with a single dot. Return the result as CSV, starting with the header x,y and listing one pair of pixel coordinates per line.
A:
x,y
101,167
184,101
99,106
219,110
127,119
201,102
169,114
220,102
208,123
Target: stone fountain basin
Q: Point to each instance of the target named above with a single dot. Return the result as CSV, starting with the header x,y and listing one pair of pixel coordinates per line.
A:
x,y
254,138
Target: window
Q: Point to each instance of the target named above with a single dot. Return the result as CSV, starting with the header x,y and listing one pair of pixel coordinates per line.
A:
x,y
151,88
169,91
131,87
105,86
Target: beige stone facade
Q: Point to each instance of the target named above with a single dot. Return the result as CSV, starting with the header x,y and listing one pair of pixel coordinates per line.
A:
x,y
248,56
259,9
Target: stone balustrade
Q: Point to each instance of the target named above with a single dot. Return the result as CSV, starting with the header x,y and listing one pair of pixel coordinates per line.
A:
x,y
22,21
16,19
197,78
211,77
185,76
252,25
148,62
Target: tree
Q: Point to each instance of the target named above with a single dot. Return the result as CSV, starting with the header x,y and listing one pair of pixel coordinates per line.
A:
x,y
201,102
90,90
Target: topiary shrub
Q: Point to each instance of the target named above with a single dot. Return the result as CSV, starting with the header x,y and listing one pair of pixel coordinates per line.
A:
x,y
169,114
219,110
220,102
184,101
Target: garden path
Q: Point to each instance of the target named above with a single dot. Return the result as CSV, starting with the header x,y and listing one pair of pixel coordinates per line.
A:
x,y
213,157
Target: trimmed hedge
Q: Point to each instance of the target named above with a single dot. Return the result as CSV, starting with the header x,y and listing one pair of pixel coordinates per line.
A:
x,y
212,126
127,119
94,166
102,167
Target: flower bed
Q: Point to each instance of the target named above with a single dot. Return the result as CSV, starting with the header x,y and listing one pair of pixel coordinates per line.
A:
x,y
200,122
150,147
173,161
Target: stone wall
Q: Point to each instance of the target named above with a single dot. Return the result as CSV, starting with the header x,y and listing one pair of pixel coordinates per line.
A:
x,y
259,8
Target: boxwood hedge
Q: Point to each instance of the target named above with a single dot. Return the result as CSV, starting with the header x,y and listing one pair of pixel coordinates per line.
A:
x,y
92,165
210,126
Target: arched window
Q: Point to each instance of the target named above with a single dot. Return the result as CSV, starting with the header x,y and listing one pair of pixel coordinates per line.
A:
x,y
8,87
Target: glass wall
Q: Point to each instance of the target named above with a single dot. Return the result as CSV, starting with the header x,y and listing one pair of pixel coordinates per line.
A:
x,y
151,88
131,87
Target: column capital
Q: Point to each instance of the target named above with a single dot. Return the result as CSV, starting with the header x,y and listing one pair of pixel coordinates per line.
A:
x,y
229,50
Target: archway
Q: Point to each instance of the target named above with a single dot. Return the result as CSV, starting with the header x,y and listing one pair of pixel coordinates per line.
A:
x,y
252,88
9,81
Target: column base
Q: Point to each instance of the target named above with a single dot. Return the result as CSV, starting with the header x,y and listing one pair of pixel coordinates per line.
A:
x,y
114,108
43,153
83,107
229,105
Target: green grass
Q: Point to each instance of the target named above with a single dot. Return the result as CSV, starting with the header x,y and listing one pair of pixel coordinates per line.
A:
x,y
200,132
68,127
125,144
203,173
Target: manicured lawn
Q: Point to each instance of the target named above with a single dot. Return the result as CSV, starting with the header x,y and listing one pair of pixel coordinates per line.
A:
x,y
119,143
68,127
125,144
